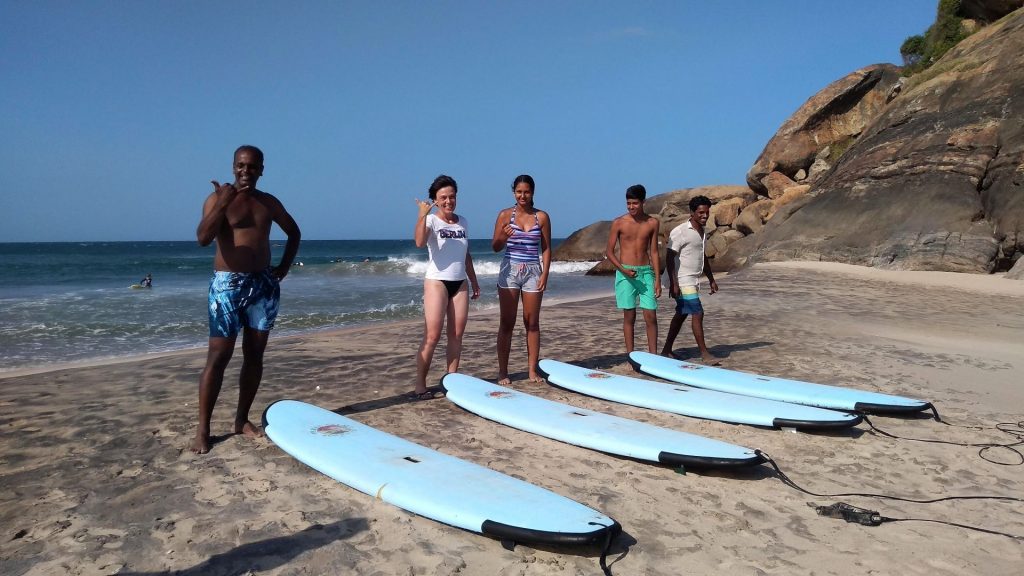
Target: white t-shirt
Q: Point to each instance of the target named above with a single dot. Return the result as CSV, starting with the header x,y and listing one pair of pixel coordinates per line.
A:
x,y
446,245
689,245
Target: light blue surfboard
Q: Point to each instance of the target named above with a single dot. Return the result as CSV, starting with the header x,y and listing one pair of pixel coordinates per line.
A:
x,y
595,430
429,483
780,389
694,402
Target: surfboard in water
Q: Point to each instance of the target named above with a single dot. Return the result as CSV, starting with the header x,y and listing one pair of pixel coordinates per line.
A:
x,y
429,483
694,402
781,389
590,429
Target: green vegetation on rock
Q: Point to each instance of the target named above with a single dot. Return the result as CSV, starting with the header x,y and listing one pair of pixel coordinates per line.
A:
x,y
919,52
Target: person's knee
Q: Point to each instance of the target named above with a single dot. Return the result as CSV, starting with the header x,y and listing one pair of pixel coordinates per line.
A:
x,y
431,338
219,354
506,325
650,316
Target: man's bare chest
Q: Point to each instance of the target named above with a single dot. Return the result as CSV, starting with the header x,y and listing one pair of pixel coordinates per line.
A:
x,y
247,213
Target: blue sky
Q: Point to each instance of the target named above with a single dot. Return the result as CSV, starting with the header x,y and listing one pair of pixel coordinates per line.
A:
x,y
114,116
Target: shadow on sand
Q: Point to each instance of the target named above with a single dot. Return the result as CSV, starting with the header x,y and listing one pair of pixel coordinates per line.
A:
x,y
386,402
265,555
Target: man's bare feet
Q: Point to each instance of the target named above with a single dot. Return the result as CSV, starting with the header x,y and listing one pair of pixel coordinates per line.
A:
x,y
534,377
503,380
671,354
248,429
200,444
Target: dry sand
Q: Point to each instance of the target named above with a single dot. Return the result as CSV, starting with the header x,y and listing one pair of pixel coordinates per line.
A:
x,y
97,480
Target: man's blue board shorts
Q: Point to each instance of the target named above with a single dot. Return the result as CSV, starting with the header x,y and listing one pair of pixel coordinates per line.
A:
x,y
242,299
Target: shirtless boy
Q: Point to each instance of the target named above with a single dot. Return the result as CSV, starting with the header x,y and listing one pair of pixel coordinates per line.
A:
x,y
686,262
637,266
245,289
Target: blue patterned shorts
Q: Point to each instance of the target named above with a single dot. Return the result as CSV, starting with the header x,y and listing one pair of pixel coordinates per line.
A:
x,y
242,299
688,301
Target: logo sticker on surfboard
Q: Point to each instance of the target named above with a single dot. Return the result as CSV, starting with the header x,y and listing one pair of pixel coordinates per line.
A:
x,y
690,367
500,394
331,430
598,375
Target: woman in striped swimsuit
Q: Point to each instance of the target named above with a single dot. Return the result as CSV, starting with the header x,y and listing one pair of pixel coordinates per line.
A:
x,y
525,234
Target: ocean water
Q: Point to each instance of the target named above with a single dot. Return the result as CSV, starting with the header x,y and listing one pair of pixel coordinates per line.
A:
x,y
71,302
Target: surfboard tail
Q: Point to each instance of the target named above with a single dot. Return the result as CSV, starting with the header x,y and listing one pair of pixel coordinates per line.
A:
x,y
701,462
528,535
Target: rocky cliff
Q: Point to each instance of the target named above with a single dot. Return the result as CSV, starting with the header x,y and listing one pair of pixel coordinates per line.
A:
x,y
934,182
921,173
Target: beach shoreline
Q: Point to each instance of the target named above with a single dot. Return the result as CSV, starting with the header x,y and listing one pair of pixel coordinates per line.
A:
x,y
335,331
100,480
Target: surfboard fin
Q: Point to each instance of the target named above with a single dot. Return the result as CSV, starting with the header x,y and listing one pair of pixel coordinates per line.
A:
x,y
508,545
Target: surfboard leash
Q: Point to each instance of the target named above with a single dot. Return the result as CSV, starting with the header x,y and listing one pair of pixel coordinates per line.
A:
x,y
866,517
1015,429
872,518
606,547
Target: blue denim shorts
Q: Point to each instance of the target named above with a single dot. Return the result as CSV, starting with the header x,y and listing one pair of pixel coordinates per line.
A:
x,y
523,276
242,299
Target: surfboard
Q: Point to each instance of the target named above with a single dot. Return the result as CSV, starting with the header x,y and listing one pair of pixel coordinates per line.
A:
x,y
780,389
590,429
429,483
137,286
688,401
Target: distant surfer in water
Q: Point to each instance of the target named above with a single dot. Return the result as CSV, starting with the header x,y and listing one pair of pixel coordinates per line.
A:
x,y
245,290
636,266
445,294
687,260
524,233
147,282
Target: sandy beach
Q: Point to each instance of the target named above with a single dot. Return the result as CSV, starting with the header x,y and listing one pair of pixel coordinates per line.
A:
x,y
97,479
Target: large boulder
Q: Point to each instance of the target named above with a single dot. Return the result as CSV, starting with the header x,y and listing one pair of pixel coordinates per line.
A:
x,y
726,211
753,217
584,245
789,195
935,182
832,119
1017,272
775,184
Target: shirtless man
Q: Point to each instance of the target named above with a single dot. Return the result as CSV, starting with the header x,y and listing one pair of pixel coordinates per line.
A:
x,y
245,289
686,263
637,266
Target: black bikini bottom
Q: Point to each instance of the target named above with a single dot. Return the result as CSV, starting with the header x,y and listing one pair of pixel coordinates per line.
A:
x,y
453,287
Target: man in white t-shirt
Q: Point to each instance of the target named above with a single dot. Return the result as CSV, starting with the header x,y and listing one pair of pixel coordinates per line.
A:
x,y
686,262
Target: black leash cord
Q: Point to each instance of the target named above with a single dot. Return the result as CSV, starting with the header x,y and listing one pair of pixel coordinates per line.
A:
x,y
609,535
882,519
975,528
1013,429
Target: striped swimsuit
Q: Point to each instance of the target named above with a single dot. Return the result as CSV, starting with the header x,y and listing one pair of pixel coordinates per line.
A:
x,y
520,268
523,246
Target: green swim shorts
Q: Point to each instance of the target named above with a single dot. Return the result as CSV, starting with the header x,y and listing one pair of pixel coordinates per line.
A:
x,y
629,290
